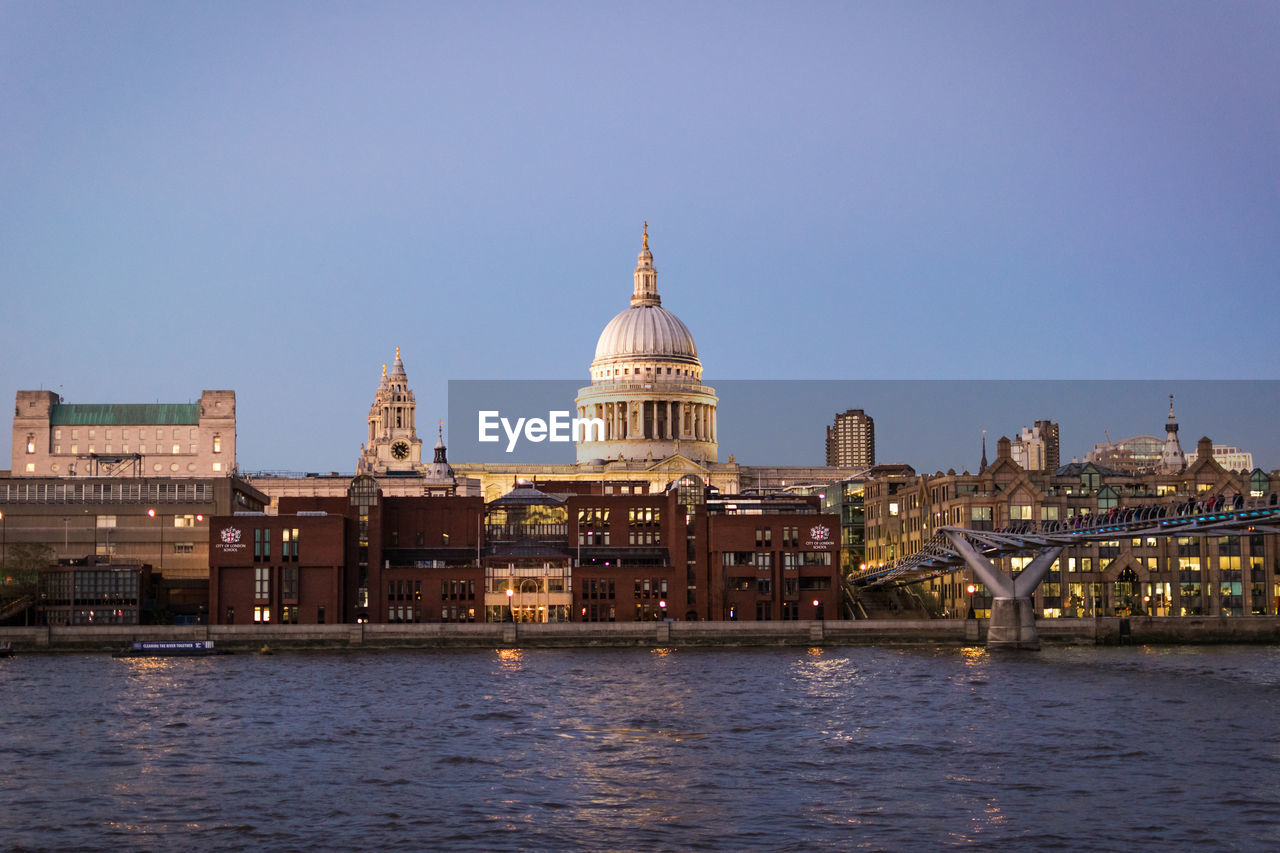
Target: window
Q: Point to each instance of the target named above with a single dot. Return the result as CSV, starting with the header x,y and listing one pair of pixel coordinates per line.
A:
x,y
1019,512
217,466
288,584
261,544
31,443
217,444
643,525
31,467
184,548
106,521
593,526
764,537
289,551
261,614
650,588
261,583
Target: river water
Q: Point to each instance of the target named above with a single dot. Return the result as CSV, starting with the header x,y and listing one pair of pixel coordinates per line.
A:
x,y
759,749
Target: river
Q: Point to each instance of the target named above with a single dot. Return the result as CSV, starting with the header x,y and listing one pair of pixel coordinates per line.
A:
x,y
669,749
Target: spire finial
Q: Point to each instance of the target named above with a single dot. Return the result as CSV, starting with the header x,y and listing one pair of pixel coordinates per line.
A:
x,y
397,353
384,371
646,235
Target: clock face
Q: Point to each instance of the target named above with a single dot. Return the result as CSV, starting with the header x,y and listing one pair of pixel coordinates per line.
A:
x,y
400,450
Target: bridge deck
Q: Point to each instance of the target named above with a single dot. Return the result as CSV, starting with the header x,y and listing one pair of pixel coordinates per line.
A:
x,y
938,556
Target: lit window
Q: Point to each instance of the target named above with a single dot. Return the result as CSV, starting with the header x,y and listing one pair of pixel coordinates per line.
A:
x,y
31,467
177,448
217,444
217,466
31,444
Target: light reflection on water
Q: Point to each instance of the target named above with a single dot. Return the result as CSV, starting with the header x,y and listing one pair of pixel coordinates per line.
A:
x,y
880,748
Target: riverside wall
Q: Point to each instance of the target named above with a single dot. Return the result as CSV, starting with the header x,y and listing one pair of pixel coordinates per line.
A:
x,y
1142,630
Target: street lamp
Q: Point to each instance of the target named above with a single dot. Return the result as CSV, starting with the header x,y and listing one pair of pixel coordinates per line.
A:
x,y
511,603
972,589
160,548
817,610
662,606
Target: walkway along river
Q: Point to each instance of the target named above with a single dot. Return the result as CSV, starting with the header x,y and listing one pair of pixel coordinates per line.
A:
x,y
1103,631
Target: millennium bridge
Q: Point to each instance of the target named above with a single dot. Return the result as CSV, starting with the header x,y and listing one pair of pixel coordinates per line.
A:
x,y
1012,622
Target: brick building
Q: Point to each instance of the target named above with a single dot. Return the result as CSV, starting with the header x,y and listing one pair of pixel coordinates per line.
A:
x,y
532,555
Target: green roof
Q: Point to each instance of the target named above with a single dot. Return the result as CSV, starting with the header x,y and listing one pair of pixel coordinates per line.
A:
x,y
129,414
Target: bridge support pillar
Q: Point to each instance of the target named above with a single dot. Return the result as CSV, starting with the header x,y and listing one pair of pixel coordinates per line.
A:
x,y
1013,619
1013,625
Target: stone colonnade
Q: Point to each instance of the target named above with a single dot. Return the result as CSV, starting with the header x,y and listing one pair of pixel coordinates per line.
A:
x,y
668,420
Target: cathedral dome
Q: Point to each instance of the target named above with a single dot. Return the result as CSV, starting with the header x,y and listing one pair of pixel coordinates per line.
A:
x,y
646,400
644,331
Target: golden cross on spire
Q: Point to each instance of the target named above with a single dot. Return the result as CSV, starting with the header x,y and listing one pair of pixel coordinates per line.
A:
x,y
397,353
384,371
646,234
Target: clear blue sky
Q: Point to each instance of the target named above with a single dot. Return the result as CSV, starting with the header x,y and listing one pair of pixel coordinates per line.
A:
x,y
270,197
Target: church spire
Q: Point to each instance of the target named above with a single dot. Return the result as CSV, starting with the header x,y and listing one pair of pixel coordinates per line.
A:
x,y
983,465
440,456
646,277
1172,459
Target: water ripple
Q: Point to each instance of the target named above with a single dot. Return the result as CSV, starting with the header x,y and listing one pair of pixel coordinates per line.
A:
x,y
819,749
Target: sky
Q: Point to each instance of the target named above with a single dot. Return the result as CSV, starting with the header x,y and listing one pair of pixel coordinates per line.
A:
x,y
272,196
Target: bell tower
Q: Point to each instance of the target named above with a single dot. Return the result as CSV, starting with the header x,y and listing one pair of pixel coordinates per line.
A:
x,y
393,445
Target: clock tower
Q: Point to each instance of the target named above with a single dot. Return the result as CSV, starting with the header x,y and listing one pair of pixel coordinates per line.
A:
x,y
393,446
